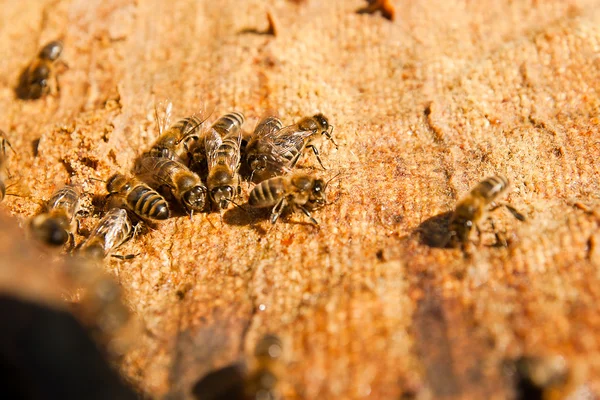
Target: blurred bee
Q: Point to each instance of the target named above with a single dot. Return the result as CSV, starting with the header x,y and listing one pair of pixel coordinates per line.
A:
x,y
275,150
38,78
300,191
183,183
139,197
113,229
262,381
170,136
550,377
53,226
223,154
472,208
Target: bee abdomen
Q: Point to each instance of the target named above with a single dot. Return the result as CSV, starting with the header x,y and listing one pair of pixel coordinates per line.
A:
x,y
491,187
266,193
188,125
147,203
230,122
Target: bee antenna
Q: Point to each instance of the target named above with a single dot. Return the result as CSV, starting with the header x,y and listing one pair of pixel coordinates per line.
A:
x,y
331,179
237,205
98,180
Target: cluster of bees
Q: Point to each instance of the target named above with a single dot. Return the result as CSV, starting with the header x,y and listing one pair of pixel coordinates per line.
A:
x,y
201,169
175,166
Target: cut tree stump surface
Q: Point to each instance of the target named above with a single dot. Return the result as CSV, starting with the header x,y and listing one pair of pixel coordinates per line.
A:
x,y
424,107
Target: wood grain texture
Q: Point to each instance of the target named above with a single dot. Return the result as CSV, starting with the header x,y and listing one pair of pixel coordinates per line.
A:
x,y
424,107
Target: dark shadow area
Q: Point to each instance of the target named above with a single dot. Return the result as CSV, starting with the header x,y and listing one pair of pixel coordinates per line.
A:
x,y
47,354
223,384
23,90
245,216
433,232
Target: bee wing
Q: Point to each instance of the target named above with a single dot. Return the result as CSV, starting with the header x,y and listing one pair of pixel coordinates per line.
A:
x,y
234,141
266,128
151,171
212,142
162,115
284,141
114,227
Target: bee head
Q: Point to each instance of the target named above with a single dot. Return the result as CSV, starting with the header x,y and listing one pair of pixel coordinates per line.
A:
x,y
459,229
222,196
52,50
50,230
317,194
257,163
195,198
39,76
322,121
116,183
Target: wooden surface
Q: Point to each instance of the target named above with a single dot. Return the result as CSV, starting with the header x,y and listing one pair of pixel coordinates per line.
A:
x,y
424,107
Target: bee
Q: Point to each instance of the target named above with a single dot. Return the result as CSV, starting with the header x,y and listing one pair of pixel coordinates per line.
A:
x,y
183,183
223,154
53,226
170,137
262,381
300,191
139,197
37,79
276,150
113,229
472,208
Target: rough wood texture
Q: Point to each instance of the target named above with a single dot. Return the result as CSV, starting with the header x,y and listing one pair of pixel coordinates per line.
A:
x,y
423,107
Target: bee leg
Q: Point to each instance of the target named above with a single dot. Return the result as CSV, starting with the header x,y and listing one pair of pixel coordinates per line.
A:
x,y
511,209
500,239
276,212
307,213
295,160
314,149
478,229
71,241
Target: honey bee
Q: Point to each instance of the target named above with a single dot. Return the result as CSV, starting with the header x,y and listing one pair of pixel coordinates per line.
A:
x,y
53,226
472,208
276,150
37,79
262,381
166,145
223,154
300,191
183,183
139,197
113,229
257,158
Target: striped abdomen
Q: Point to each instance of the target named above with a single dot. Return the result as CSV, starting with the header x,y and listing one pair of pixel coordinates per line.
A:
x,y
64,201
147,203
490,188
229,123
228,150
267,193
